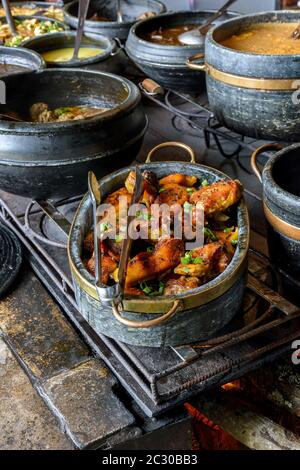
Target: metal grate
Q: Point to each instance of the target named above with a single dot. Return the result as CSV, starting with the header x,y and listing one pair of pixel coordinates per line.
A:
x,y
160,378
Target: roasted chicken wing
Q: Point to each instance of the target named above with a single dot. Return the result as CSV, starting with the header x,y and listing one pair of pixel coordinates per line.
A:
x,y
178,178
108,264
146,266
218,196
205,262
172,193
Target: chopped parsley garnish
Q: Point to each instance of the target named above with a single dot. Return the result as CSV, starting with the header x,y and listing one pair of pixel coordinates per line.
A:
x,y
210,234
188,259
198,260
104,226
161,190
190,190
152,290
234,242
204,183
118,239
227,230
150,249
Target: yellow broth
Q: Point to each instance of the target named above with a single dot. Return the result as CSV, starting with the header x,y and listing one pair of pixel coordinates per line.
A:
x,y
66,54
265,38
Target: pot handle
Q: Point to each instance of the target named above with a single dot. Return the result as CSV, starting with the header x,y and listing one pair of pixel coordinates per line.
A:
x,y
190,62
185,147
257,152
145,324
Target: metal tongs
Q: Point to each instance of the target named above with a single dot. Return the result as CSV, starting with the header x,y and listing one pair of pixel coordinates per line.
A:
x,y
112,295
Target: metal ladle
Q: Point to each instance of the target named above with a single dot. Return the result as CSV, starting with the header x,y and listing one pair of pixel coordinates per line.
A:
x,y
119,13
9,17
196,37
82,12
296,33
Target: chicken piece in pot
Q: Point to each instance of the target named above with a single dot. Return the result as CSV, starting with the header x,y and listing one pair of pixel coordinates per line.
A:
x,y
205,262
180,285
178,178
108,264
172,194
218,196
146,266
150,184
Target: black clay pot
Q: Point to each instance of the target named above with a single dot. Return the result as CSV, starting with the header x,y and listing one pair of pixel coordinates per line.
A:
x,y
167,64
111,60
250,93
131,10
51,160
281,189
20,57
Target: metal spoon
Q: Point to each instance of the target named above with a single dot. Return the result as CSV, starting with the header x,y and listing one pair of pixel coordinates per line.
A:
x,y
9,17
196,37
119,13
82,12
296,33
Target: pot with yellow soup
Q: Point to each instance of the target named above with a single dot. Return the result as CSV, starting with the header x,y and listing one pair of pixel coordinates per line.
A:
x,y
97,52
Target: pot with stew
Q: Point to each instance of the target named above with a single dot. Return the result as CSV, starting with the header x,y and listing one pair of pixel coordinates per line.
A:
x,y
154,47
252,65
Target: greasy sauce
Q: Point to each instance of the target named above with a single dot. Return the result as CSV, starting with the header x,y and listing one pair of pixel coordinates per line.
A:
x,y
265,38
169,36
65,54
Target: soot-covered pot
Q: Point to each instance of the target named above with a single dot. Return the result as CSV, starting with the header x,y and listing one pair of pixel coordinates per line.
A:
x,y
281,201
130,9
171,320
252,93
164,63
51,160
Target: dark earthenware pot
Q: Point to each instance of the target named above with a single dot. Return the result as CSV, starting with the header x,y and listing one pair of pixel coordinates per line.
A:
x,y
52,160
40,18
199,313
281,200
21,57
111,60
131,10
167,64
252,93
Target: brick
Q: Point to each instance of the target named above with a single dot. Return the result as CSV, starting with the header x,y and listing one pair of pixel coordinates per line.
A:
x,y
38,331
25,421
84,397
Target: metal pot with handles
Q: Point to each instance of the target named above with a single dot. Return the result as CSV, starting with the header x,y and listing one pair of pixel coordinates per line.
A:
x,y
165,320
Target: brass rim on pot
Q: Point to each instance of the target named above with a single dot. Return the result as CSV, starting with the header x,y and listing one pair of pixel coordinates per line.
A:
x,y
281,226
264,84
169,305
